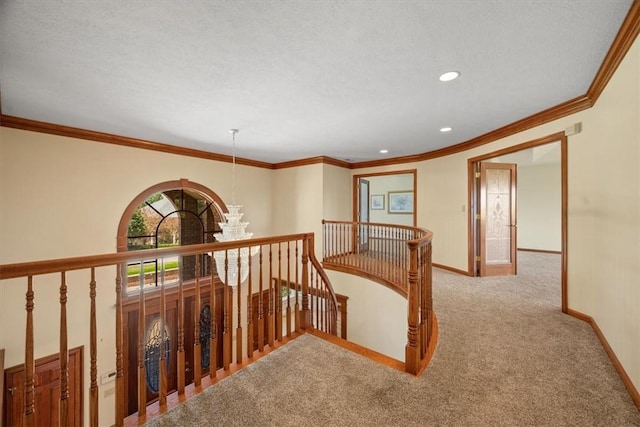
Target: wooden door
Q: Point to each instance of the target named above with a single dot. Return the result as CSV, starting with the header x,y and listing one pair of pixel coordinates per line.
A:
x,y
498,220
363,214
152,314
47,391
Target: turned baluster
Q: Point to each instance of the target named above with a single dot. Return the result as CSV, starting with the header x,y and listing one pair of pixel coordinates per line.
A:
x,y
278,296
64,355
162,395
335,230
271,319
288,319
323,301
213,332
342,236
226,327
250,325
142,381
297,281
423,303
260,304
428,284
238,311
197,354
120,401
411,349
29,363
93,351
180,356
314,299
305,320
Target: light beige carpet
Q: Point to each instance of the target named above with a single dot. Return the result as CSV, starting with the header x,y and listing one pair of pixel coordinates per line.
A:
x,y
506,356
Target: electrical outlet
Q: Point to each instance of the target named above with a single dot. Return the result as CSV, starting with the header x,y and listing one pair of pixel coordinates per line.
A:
x,y
108,377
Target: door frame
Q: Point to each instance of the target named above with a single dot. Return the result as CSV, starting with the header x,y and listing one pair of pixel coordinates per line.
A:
x,y
362,232
472,200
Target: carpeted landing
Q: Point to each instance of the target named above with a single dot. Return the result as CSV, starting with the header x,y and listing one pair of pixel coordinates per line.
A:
x,y
506,356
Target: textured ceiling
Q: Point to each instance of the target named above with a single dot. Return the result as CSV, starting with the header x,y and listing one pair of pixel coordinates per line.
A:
x,y
299,78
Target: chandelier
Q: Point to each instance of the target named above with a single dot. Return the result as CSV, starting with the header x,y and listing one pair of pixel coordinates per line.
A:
x,y
233,229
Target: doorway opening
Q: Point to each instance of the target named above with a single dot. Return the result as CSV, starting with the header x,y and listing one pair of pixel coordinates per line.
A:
x,y
535,149
373,192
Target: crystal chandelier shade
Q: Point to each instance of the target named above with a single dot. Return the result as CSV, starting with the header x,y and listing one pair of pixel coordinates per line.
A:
x,y
233,229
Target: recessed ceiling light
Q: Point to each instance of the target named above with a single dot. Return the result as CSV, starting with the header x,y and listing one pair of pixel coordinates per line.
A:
x,y
449,75
384,151
446,129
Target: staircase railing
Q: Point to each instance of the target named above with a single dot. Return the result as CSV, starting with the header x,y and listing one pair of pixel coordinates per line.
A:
x,y
286,292
398,257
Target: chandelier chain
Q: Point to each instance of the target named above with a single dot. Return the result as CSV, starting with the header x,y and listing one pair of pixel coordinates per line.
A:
x,y
233,167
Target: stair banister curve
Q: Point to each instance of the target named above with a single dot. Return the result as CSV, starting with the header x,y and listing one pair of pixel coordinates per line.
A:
x,y
398,257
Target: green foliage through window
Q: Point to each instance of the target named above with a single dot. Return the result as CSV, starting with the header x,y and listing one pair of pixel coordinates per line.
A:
x,y
137,226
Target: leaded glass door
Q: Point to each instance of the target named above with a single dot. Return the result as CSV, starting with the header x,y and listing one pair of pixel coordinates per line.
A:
x,y
498,219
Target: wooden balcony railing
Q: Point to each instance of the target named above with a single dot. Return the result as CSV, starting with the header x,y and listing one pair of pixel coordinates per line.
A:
x,y
398,257
244,321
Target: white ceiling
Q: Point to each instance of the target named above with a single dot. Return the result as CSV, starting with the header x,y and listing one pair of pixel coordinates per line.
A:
x,y
299,78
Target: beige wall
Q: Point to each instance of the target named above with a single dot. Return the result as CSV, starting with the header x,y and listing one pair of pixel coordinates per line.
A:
x,y
376,315
297,200
304,196
336,204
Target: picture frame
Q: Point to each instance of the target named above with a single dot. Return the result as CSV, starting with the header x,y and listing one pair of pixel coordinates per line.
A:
x,y
377,202
400,202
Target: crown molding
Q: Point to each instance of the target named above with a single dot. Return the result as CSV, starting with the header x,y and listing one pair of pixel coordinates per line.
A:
x,y
72,132
624,39
561,110
312,161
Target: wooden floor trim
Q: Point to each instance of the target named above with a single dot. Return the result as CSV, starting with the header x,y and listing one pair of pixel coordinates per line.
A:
x,y
451,269
379,357
542,251
633,391
362,351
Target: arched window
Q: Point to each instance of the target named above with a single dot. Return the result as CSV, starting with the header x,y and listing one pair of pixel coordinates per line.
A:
x,y
175,213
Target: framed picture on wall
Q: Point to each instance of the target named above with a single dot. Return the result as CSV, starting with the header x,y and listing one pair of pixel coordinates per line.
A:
x,y
377,202
400,202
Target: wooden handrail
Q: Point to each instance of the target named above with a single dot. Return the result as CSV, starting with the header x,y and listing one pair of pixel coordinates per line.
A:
x,y
330,293
290,258
397,256
36,268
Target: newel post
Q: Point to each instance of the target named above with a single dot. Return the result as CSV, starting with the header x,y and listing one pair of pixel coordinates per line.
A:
x,y
412,349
